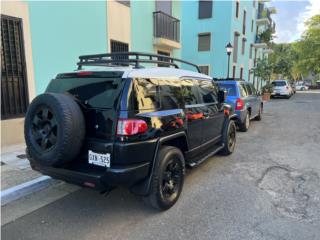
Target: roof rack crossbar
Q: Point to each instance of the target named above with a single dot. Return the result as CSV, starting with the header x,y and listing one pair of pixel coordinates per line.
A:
x,y
125,58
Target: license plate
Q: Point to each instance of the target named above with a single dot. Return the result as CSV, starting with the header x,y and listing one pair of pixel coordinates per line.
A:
x,y
99,159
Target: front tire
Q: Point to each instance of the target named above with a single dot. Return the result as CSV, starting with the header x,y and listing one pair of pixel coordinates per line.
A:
x,y
167,179
229,138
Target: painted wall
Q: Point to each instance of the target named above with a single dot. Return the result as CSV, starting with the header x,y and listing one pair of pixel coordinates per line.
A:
x,y
219,27
12,129
61,31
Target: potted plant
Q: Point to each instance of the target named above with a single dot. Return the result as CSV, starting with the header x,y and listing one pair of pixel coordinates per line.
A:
x,y
266,91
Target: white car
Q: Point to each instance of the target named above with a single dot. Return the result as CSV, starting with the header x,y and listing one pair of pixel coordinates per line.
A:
x,y
281,88
301,86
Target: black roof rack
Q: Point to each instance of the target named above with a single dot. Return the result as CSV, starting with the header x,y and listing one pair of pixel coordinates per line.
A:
x,y
129,58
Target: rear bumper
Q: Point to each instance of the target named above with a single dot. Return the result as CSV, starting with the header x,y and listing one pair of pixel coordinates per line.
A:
x,y
280,94
98,179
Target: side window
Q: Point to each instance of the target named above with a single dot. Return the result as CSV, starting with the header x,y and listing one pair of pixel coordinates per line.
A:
x,y
249,90
254,91
243,90
190,92
171,94
146,94
208,91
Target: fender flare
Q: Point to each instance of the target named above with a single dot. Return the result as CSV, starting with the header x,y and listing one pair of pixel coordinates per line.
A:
x,y
142,188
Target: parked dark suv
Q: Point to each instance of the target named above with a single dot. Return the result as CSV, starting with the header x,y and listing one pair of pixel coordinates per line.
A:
x,y
128,126
245,100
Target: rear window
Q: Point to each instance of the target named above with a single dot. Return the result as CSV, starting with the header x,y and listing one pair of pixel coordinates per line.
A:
x,y
230,88
279,83
92,92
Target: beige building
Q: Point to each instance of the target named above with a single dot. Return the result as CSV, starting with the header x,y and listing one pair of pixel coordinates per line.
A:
x,y
17,80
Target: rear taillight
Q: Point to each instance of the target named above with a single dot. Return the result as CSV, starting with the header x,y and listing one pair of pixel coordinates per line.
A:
x,y
239,104
129,127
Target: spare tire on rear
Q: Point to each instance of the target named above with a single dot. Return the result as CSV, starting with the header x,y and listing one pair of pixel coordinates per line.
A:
x,y
54,129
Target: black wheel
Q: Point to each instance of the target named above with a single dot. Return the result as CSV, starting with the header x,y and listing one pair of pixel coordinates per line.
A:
x,y
54,129
244,126
229,138
259,116
167,180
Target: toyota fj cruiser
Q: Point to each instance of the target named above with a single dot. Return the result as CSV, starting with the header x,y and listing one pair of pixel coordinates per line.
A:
x,y
113,124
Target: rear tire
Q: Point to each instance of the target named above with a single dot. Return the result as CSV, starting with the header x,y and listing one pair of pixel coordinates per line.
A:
x,y
259,116
167,179
244,126
229,138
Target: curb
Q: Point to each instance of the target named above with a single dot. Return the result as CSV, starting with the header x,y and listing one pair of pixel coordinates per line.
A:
x,y
24,189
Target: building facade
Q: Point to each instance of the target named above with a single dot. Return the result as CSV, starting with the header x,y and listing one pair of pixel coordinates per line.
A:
x,y
208,26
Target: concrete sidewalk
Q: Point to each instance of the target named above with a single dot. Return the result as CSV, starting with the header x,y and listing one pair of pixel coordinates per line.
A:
x,y
17,177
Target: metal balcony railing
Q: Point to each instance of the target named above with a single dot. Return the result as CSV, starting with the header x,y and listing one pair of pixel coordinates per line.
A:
x,y
166,26
265,13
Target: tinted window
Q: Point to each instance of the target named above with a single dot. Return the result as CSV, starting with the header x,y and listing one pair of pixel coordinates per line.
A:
x,y
93,92
171,94
249,90
146,94
208,91
279,83
230,88
205,9
190,91
243,90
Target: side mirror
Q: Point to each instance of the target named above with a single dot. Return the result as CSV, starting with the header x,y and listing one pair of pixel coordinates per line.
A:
x,y
222,95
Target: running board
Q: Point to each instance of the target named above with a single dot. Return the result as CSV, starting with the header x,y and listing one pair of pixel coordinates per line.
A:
x,y
196,163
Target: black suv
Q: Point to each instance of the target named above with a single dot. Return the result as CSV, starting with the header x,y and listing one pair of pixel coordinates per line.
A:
x,y
122,125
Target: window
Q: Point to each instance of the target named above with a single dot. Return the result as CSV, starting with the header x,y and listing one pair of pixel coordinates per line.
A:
x,y
254,3
234,72
241,73
230,88
14,88
171,94
163,59
146,94
237,9
250,53
117,46
249,75
243,90
244,22
252,22
235,47
190,91
126,3
208,91
164,6
243,47
205,9
204,69
249,89
204,41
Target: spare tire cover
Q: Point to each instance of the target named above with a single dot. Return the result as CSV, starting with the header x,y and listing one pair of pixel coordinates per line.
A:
x,y
54,129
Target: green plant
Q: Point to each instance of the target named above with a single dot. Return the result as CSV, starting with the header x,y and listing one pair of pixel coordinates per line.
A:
x,y
267,88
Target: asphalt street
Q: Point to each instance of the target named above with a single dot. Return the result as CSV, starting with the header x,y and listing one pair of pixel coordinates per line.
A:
x,y
268,189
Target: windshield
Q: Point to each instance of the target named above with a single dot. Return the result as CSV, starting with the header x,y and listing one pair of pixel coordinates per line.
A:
x,y
230,88
92,92
279,83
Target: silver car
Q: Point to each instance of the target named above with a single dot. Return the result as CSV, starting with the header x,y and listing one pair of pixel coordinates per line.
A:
x,y
281,88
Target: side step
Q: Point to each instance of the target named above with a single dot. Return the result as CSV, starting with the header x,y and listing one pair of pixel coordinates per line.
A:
x,y
201,160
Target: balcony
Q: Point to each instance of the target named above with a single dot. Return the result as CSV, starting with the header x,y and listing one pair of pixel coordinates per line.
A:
x,y
264,17
259,43
166,30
